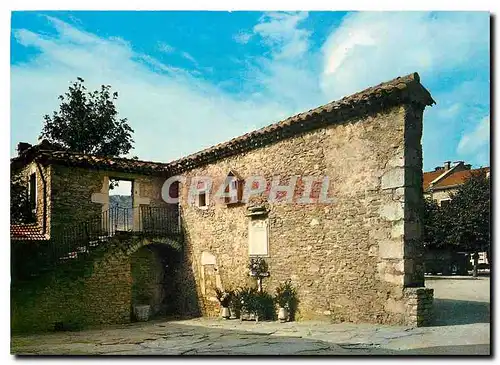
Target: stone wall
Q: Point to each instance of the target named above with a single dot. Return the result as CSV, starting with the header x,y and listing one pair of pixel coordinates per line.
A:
x,y
419,302
351,259
104,297
43,190
99,292
80,194
438,195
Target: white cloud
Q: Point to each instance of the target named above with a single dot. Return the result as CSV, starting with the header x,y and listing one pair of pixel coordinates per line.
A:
x,y
173,112
188,57
289,72
176,111
477,139
242,37
371,47
282,33
165,48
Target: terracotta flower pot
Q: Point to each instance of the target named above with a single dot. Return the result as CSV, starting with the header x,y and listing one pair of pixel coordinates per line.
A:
x,y
283,314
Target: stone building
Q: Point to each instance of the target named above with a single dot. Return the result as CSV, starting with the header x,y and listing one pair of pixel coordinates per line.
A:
x,y
331,198
438,184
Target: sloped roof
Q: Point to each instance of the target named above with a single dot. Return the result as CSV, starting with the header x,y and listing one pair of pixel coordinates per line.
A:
x,y
430,176
401,90
101,162
450,181
26,232
46,152
457,178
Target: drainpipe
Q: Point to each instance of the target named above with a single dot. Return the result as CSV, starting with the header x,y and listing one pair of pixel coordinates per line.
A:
x,y
44,183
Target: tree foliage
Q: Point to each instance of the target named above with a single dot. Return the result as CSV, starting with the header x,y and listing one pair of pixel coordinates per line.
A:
x,y
437,221
464,223
20,207
88,122
471,213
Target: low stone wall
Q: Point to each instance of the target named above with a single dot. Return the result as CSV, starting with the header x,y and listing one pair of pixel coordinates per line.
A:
x,y
419,303
79,295
77,300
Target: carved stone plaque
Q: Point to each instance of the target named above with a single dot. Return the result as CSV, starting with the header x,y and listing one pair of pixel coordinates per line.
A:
x,y
258,237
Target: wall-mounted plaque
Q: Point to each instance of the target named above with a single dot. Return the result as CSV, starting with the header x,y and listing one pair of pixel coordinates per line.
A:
x,y
258,237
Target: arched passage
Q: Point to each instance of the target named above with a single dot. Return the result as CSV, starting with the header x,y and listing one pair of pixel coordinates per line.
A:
x,y
153,270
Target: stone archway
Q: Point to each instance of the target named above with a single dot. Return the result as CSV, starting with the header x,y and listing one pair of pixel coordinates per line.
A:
x,y
153,272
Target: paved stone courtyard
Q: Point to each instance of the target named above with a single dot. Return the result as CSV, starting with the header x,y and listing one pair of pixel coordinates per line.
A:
x,y
462,326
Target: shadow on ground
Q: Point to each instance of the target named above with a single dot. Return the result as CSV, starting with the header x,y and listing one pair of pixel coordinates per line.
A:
x,y
170,338
448,312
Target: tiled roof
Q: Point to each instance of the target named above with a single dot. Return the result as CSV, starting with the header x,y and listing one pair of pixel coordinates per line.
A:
x,y
398,91
450,181
401,90
45,154
107,163
457,178
430,176
26,232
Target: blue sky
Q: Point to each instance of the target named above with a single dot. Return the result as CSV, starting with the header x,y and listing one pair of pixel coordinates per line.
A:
x,y
188,80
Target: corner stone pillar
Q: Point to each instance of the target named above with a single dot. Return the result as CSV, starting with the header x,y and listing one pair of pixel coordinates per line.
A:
x,y
402,254
138,200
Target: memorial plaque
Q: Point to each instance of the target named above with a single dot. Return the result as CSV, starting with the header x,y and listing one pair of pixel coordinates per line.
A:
x,y
258,237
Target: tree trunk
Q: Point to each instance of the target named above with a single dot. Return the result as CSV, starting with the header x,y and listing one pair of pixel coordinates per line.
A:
x,y
474,267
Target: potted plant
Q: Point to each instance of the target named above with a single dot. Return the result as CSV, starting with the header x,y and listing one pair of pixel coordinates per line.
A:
x,y
235,305
258,269
142,308
224,298
248,303
285,298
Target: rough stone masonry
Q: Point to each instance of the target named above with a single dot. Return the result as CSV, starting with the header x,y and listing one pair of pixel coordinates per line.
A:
x,y
357,259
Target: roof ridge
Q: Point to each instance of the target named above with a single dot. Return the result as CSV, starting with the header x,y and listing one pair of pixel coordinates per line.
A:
x,y
400,90
370,96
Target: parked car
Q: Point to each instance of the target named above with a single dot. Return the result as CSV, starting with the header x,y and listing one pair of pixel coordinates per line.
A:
x,y
447,263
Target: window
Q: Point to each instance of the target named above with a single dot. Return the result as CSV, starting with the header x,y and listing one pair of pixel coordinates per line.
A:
x,y
444,202
234,188
32,191
202,200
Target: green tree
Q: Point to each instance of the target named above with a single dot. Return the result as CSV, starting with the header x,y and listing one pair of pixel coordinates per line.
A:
x,y
464,223
88,122
437,222
20,207
470,209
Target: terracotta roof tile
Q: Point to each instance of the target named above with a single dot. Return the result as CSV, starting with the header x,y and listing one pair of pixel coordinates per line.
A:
x,y
453,179
457,178
26,232
430,176
398,91
99,162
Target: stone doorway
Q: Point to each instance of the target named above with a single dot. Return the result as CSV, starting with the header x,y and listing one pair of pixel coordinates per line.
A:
x,y
121,202
154,269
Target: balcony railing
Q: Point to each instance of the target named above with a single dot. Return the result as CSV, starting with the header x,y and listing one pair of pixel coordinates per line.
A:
x,y
83,237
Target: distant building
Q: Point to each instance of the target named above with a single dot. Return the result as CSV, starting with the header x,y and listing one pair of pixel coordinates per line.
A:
x,y
438,185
